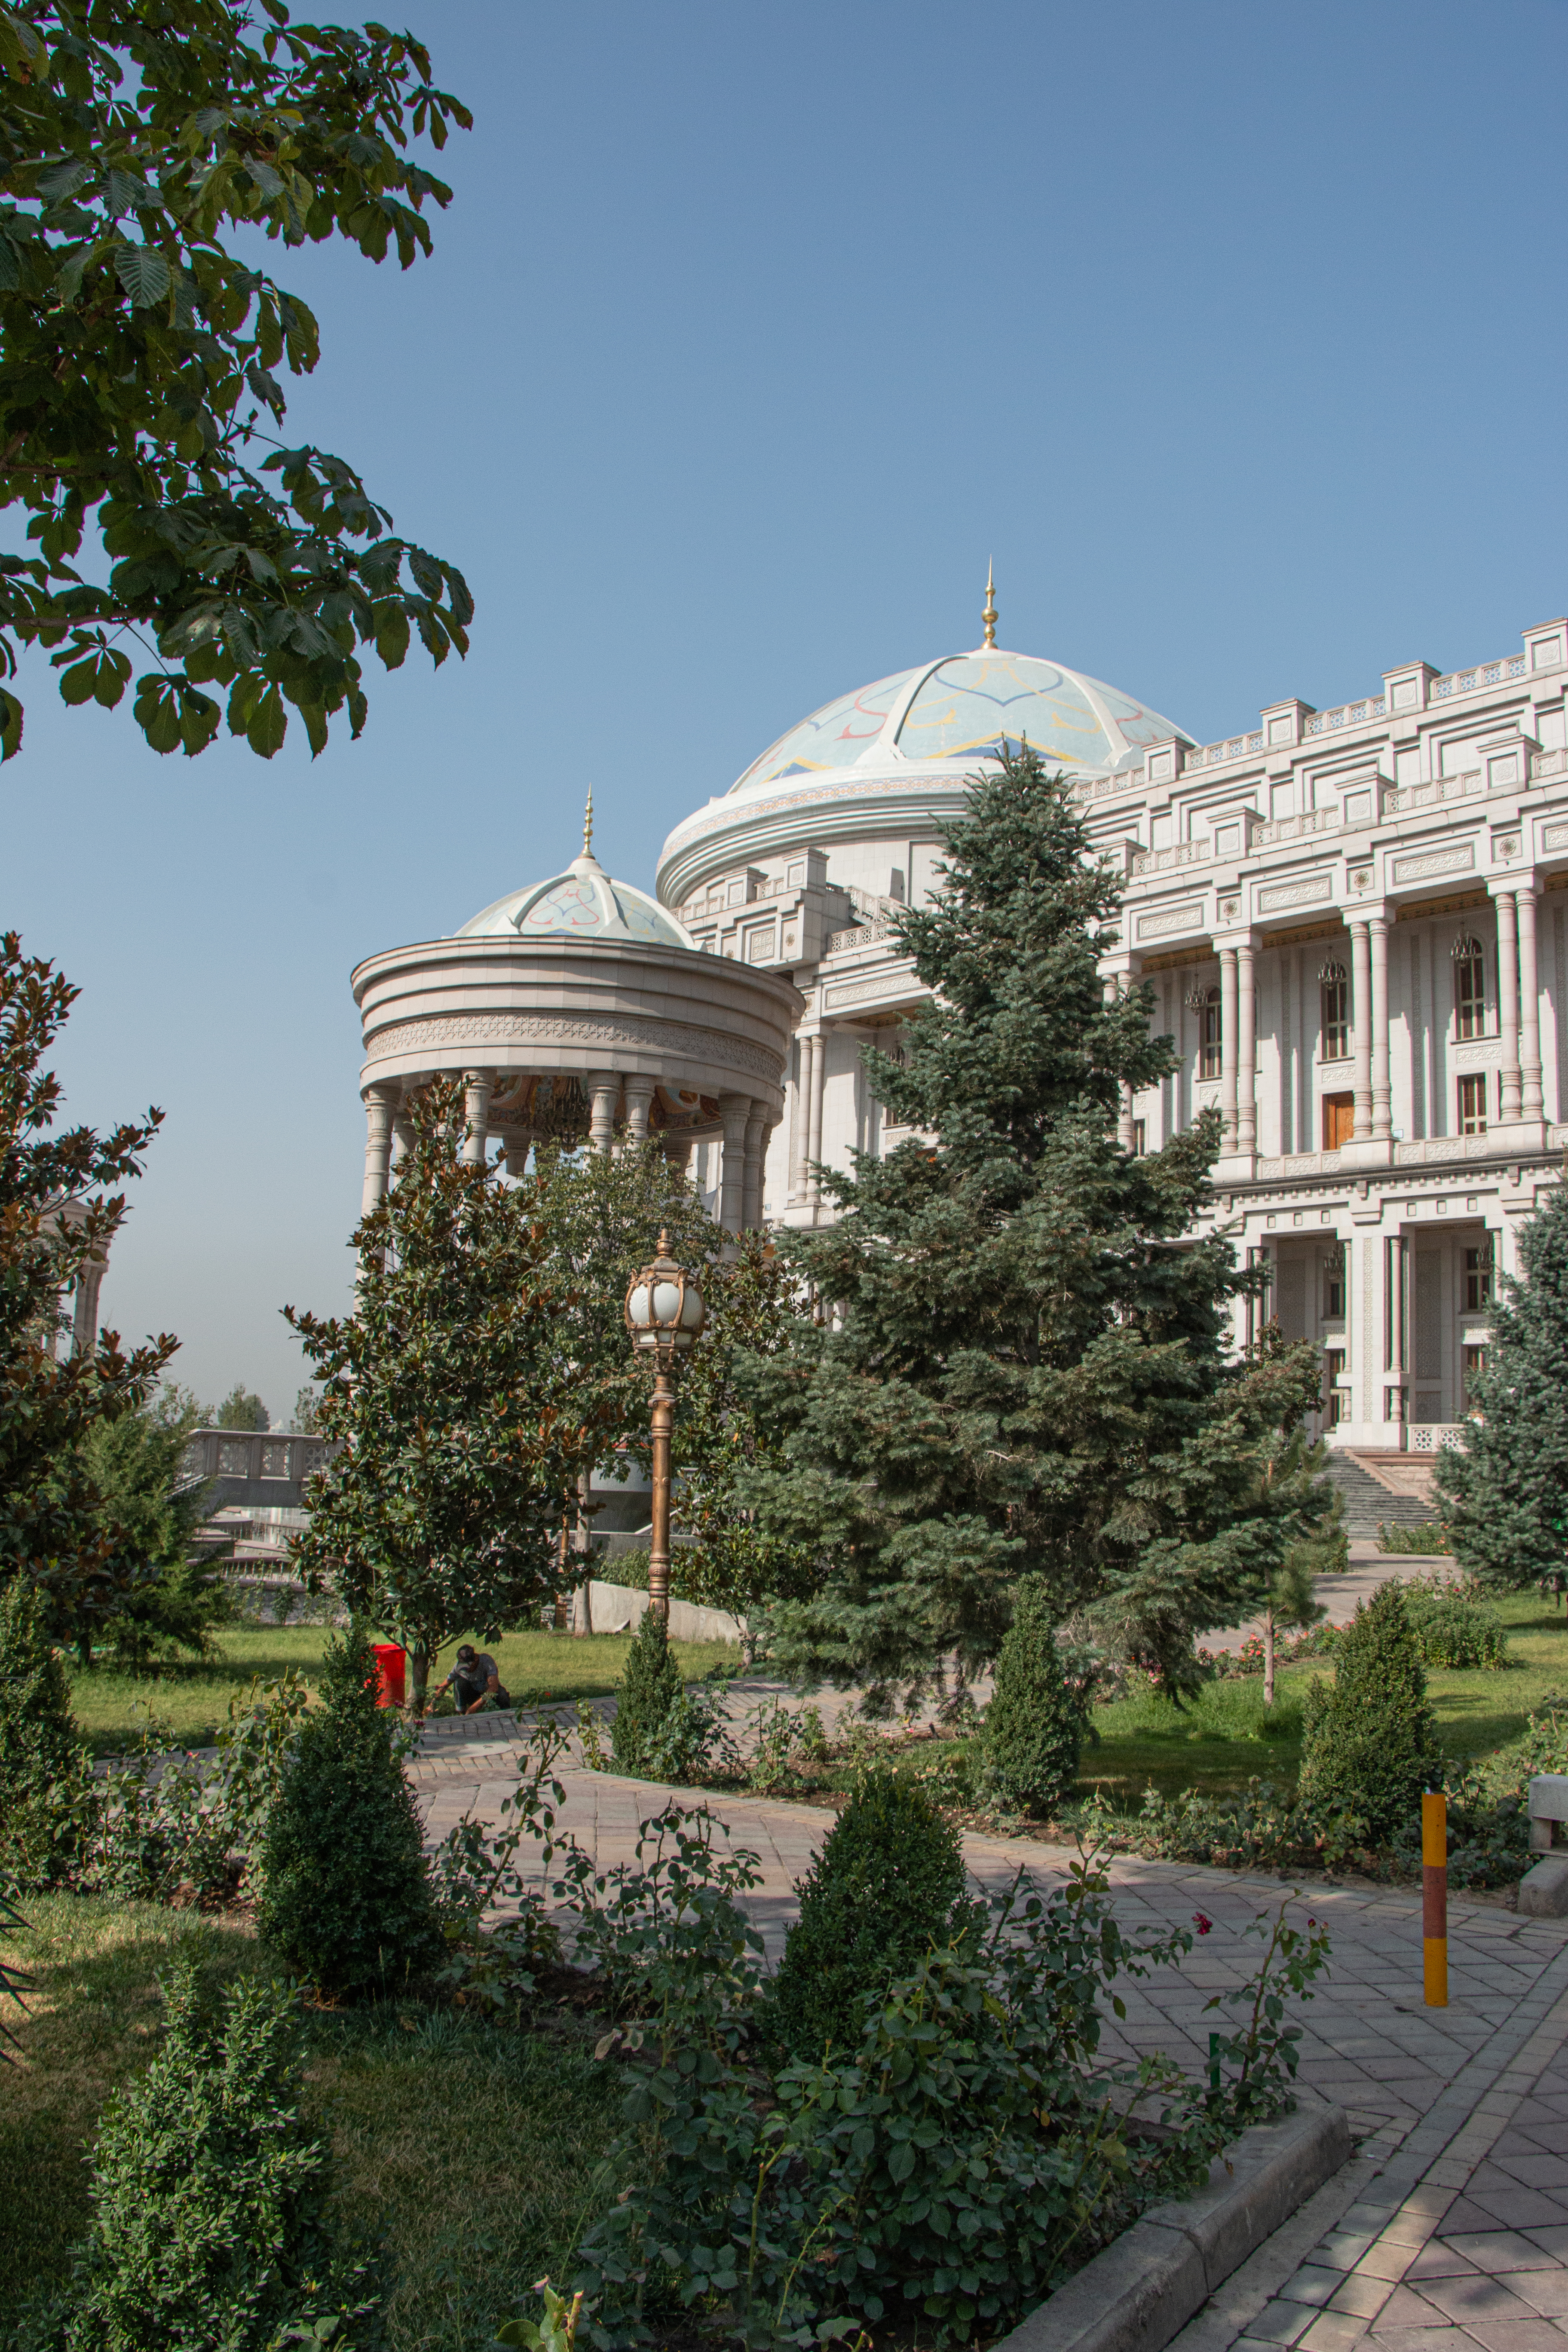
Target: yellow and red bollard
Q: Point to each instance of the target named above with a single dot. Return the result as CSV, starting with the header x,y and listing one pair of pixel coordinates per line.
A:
x,y
1435,1897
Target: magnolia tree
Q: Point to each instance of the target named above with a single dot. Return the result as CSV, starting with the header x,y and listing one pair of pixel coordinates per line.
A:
x,y
58,1216
453,1384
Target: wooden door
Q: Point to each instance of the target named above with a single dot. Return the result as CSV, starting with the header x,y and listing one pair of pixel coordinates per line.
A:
x,y
1338,1120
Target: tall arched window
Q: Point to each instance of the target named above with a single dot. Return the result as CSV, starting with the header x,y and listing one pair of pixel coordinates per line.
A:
x,y
1470,987
1211,1035
1336,987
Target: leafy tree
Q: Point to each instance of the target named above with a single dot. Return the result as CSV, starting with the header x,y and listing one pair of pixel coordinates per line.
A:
x,y
307,1417
1039,1715
58,1216
139,382
455,1382
176,1596
210,2217
1506,1487
346,1898
242,1409
887,1883
1027,1373
43,1766
1370,1738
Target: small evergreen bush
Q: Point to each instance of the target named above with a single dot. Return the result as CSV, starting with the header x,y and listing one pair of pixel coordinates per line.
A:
x,y
1034,1724
1371,1738
1451,1630
209,2223
45,1783
1427,1537
887,1883
346,1898
647,1696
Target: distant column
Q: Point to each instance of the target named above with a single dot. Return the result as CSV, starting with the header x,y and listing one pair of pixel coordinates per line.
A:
x,y
1361,1026
734,1111
677,1146
603,1097
1533,1100
478,1087
1227,1044
751,1189
1245,1049
819,1086
801,1137
639,1108
1377,928
1508,1002
379,1103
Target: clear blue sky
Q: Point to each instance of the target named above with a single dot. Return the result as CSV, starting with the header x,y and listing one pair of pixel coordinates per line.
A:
x,y
1235,333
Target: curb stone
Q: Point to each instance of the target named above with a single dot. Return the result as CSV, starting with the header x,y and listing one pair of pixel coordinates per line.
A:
x,y
1140,2292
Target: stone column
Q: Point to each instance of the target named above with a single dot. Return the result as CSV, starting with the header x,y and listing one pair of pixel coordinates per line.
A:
x,y
1394,1274
478,1087
734,1111
603,1094
379,1103
801,1171
1508,1002
1381,1124
813,1129
1533,1102
639,1108
1245,1050
751,1188
1228,1041
1361,1026
677,1145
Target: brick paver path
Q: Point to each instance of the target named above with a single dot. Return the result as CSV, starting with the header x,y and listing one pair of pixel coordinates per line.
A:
x,y
1454,2216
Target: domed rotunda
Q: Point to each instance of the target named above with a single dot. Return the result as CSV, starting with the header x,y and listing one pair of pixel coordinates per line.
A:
x,y
578,1009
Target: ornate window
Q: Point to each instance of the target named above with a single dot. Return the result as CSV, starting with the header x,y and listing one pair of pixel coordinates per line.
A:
x,y
1473,1105
1210,1034
1471,995
1479,1277
1335,1283
1336,987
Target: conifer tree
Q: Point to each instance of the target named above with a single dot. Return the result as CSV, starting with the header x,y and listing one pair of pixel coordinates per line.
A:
x,y
1026,1372
1036,1723
43,1765
1506,1487
346,1900
1371,1738
646,1692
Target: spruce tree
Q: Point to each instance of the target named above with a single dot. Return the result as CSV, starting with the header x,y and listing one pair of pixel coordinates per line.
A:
x,y
1506,1487
645,1695
887,1885
346,1900
45,1783
1035,1722
1370,1736
1026,1373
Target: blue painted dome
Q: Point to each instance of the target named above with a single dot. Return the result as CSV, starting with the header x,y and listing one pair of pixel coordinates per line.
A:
x,y
584,903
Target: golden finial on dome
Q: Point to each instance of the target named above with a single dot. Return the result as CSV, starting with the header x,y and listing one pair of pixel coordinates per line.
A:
x,y
589,825
989,615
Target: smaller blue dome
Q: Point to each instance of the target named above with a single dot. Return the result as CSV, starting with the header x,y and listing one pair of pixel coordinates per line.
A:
x,y
584,903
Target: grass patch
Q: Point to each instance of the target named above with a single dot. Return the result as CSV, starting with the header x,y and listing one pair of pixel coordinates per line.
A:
x,y
192,1697
474,2148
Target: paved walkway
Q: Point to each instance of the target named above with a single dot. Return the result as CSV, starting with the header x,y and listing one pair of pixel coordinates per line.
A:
x,y
1454,2215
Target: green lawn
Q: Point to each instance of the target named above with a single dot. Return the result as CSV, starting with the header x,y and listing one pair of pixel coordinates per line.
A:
x,y
473,2147
1226,1737
192,1700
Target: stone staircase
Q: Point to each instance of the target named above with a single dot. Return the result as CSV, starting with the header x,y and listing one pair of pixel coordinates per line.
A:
x,y
1370,1500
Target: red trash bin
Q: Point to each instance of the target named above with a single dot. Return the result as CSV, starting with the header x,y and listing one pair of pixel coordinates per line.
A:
x,y
390,1663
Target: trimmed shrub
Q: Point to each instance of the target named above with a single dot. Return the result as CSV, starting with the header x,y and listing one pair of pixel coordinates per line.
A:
x,y
887,1883
647,1696
346,1898
209,2223
1451,1630
45,1782
1371,1740
1427,1537
1035,1722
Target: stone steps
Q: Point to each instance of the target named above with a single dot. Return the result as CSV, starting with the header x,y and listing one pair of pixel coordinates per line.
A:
x,y
1368,1503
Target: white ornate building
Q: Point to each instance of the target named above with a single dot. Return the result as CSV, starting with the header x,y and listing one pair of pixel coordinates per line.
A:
x,y
1355,923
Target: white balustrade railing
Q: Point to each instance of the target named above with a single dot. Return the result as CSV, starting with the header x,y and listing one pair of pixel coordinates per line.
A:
x,y
1164,861
1397,801
1548,763
1296,828
1213,755
1349,714
861,936
1430,1436
1465,681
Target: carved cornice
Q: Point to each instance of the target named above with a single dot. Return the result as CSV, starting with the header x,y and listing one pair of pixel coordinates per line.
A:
x,y
434,1035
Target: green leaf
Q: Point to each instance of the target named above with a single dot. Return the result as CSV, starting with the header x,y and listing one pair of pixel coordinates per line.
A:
x,y
268,724
902,2161
199,716
143,272
157,712
392,638
10,725
63,180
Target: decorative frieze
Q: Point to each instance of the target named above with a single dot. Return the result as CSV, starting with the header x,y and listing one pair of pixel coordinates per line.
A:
x,y
1162,920
1458,858
1299,893
433,1033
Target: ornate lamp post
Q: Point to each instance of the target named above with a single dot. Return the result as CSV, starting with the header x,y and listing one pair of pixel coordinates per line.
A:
x,y
665,1315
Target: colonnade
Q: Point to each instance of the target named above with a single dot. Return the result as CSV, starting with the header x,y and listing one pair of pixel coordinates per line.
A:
x,y
743,1120
1518,1024
805,1184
